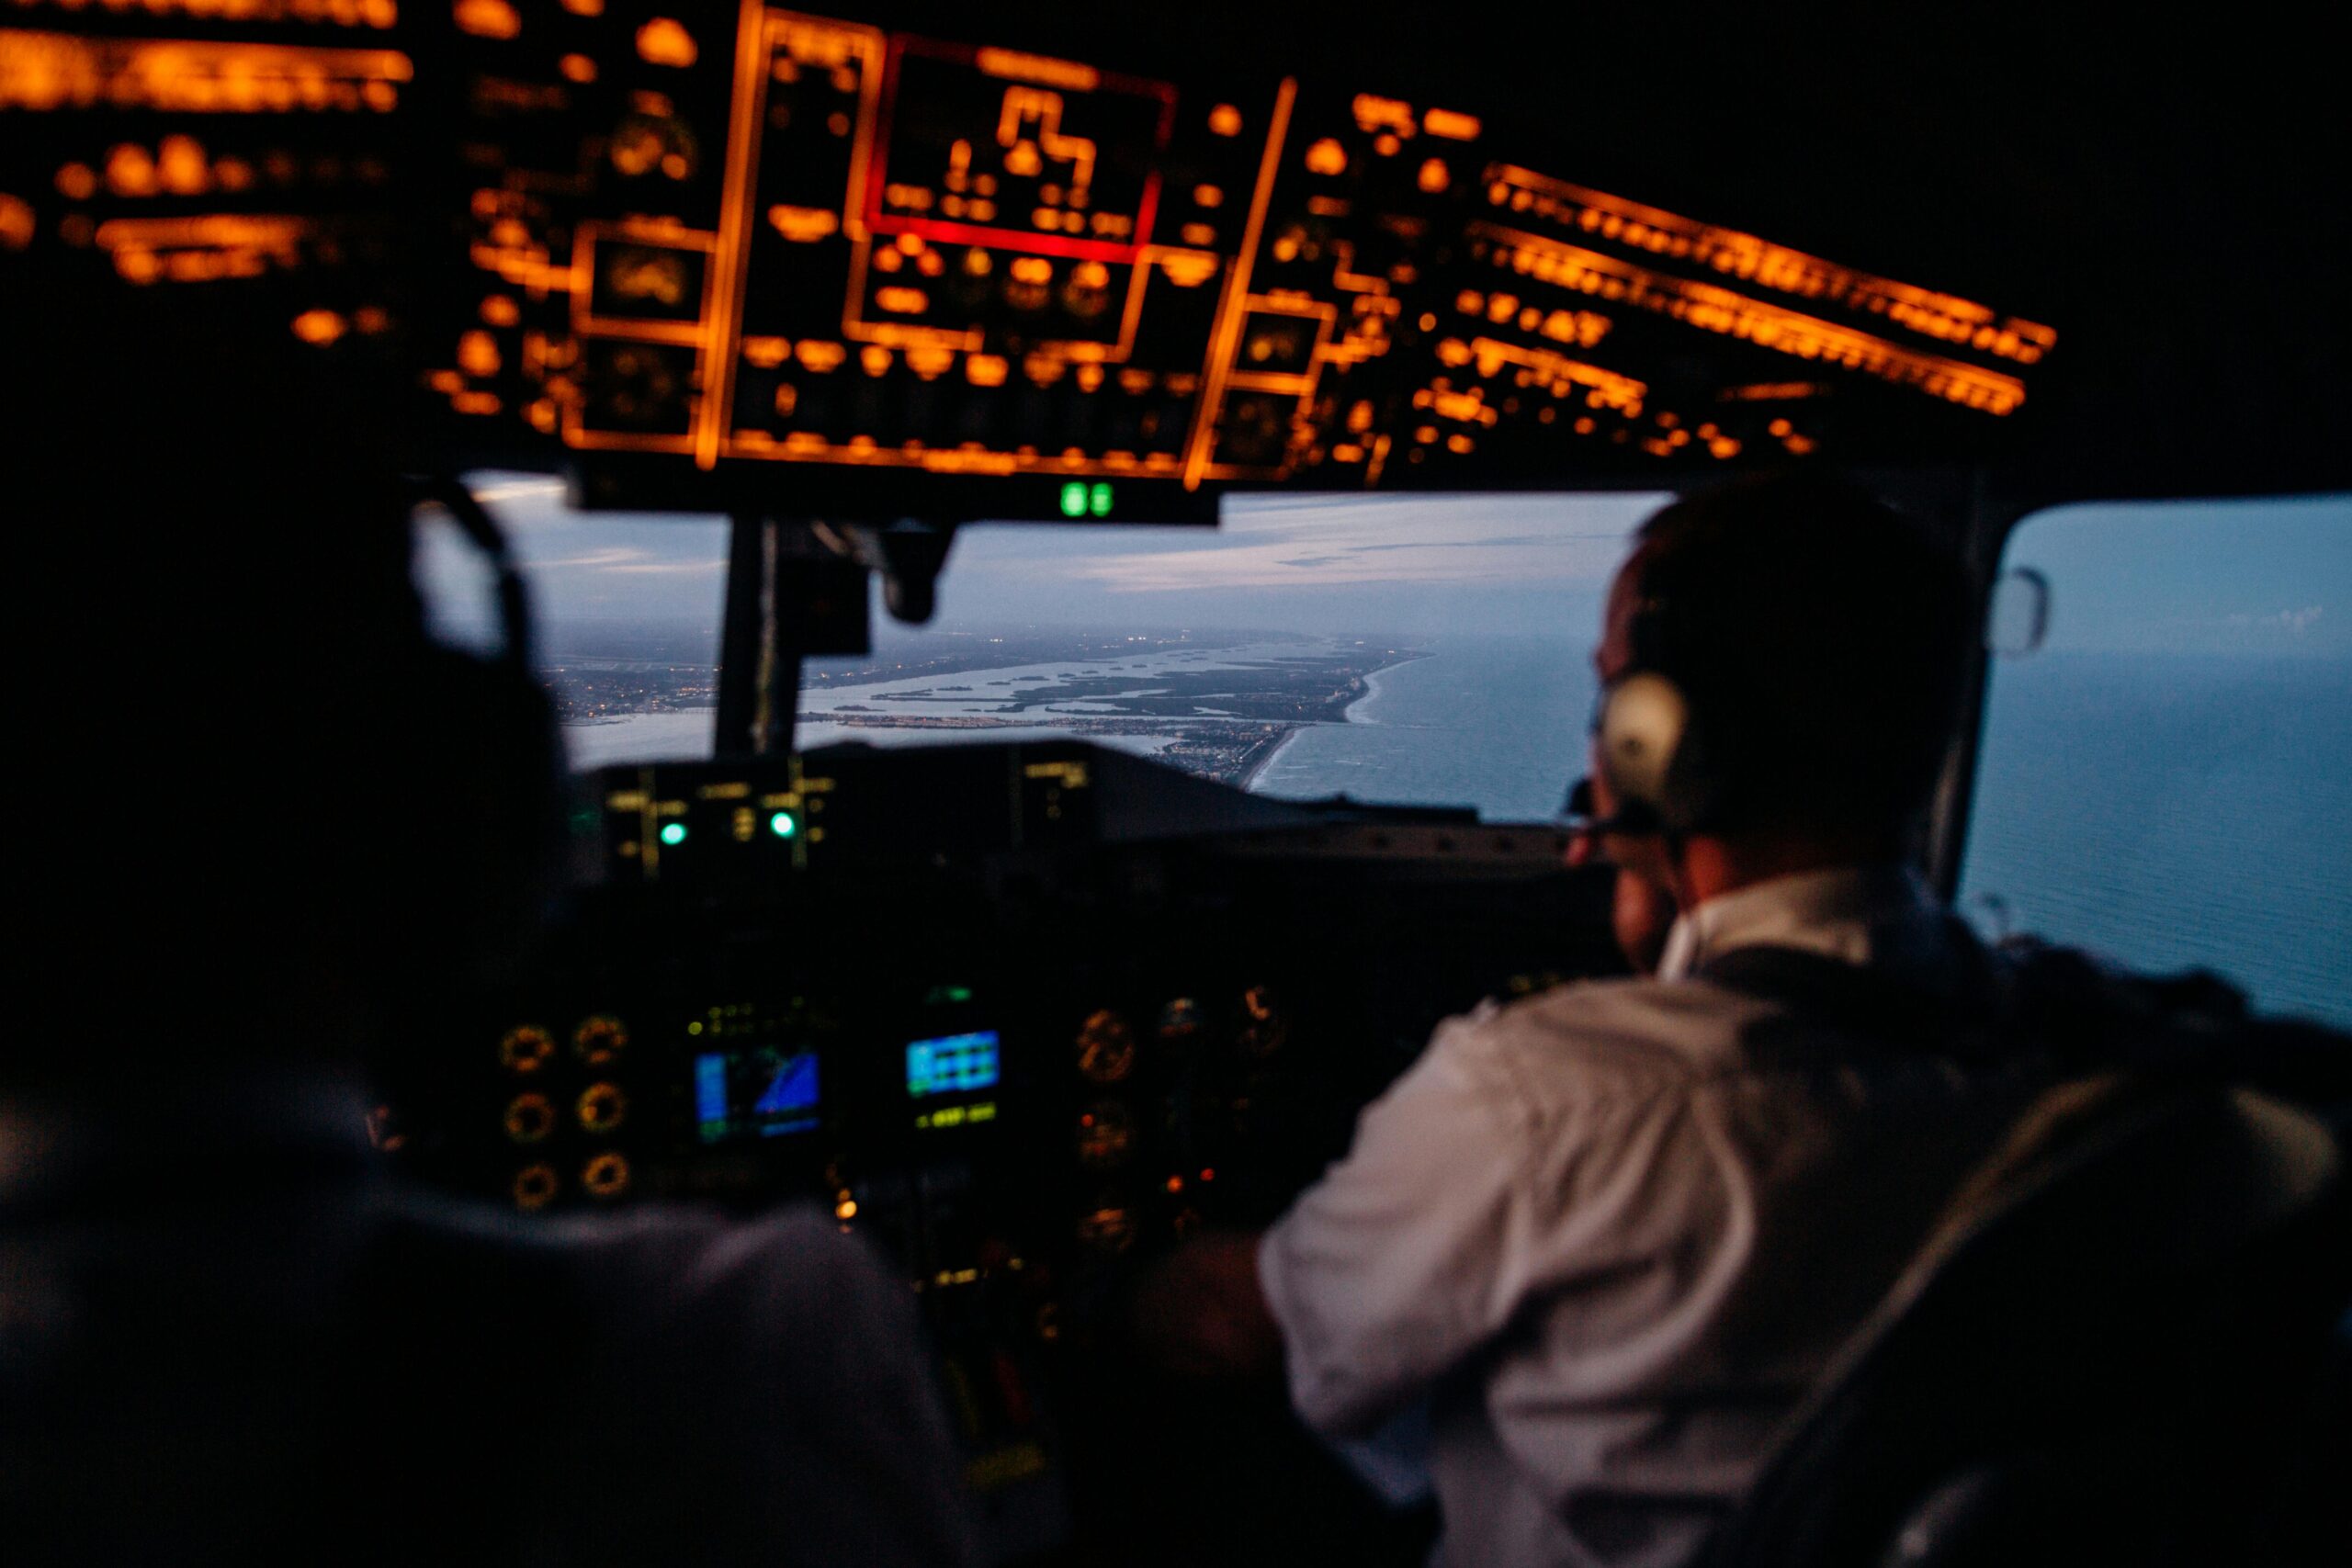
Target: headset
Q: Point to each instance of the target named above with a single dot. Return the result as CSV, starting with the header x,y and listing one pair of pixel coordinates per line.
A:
x,y
487,760
1652,742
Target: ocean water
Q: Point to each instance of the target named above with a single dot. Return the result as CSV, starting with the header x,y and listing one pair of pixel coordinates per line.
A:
x,y
1496,725
2174,811
2168,811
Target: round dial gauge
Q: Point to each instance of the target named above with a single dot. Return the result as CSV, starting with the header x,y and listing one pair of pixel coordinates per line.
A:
x,y
603,1107
526,1049
1106,1048
1107,1135
529,1118
1107,1229
1265,1026
606,1176
600,1040
534,1186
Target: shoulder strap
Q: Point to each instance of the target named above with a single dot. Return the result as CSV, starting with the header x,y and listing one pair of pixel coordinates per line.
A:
x,y
1964,1017
2028,997
1822,987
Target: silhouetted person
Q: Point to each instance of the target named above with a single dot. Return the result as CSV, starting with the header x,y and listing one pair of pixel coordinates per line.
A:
x,y
285,835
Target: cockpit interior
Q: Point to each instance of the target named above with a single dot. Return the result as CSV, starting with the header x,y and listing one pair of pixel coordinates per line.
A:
x,y
855,291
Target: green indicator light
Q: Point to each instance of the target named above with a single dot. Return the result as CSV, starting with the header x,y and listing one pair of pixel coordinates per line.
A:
x,y
675,833
782,825
1099,502
1073,499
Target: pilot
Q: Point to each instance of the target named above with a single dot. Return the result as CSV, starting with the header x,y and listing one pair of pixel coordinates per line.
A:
x,y
1604,1239
289,833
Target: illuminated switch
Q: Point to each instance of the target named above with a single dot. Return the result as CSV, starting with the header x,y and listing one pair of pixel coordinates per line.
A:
x,y
640,282
1276,344
664,40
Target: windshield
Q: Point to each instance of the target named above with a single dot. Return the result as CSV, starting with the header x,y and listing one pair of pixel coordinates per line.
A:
x,y
2166,782
1410,651
1425,650
2169,782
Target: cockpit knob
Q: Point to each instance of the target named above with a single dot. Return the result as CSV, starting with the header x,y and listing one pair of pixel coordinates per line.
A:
x,y
529,1118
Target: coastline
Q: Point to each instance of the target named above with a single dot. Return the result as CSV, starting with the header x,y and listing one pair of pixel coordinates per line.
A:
x,y
1263,700
1248,780
1372,688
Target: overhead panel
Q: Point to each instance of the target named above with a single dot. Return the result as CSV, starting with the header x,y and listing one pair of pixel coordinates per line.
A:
x,y
761,256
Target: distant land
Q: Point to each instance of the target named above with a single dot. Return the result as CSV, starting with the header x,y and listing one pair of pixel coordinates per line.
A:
x,y
605,670
1218,704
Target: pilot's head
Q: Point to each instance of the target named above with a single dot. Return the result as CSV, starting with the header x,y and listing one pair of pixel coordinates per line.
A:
x,y
281,815
1780,663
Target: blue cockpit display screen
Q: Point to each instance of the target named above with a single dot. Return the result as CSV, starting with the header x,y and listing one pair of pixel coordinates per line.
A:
x,y
953,1064
761,1093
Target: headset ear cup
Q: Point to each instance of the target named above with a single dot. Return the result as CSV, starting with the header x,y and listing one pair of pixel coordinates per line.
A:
x,y
1646,746
487,762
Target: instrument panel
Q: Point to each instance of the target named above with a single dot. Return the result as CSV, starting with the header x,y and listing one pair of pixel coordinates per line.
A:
x,y
1022,1049
716,257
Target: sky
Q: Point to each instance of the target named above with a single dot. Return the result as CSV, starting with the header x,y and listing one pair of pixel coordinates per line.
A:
x,y
2270,577
2196,577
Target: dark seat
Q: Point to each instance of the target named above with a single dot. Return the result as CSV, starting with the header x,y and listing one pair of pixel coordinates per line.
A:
x,y
2116,1349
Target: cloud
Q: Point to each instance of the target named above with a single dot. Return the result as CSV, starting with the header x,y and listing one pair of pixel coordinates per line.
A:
x,y
1614,538
625,559
521,488
1383,539
2295,623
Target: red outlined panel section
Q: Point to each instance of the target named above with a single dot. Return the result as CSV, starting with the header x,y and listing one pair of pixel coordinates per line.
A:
x,y
993,147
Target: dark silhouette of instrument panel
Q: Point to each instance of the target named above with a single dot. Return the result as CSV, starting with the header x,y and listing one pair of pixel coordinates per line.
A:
x,y
1024,1043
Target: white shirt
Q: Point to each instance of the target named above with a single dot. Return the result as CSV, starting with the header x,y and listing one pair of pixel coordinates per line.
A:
x,y
1612,1251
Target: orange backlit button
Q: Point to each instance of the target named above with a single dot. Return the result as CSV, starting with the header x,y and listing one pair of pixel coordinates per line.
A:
x,y
1106,1048
534,1186
1106,1135
488,18
603,1107
599,1040
1108,1229
665,41
530,1118
606,1176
